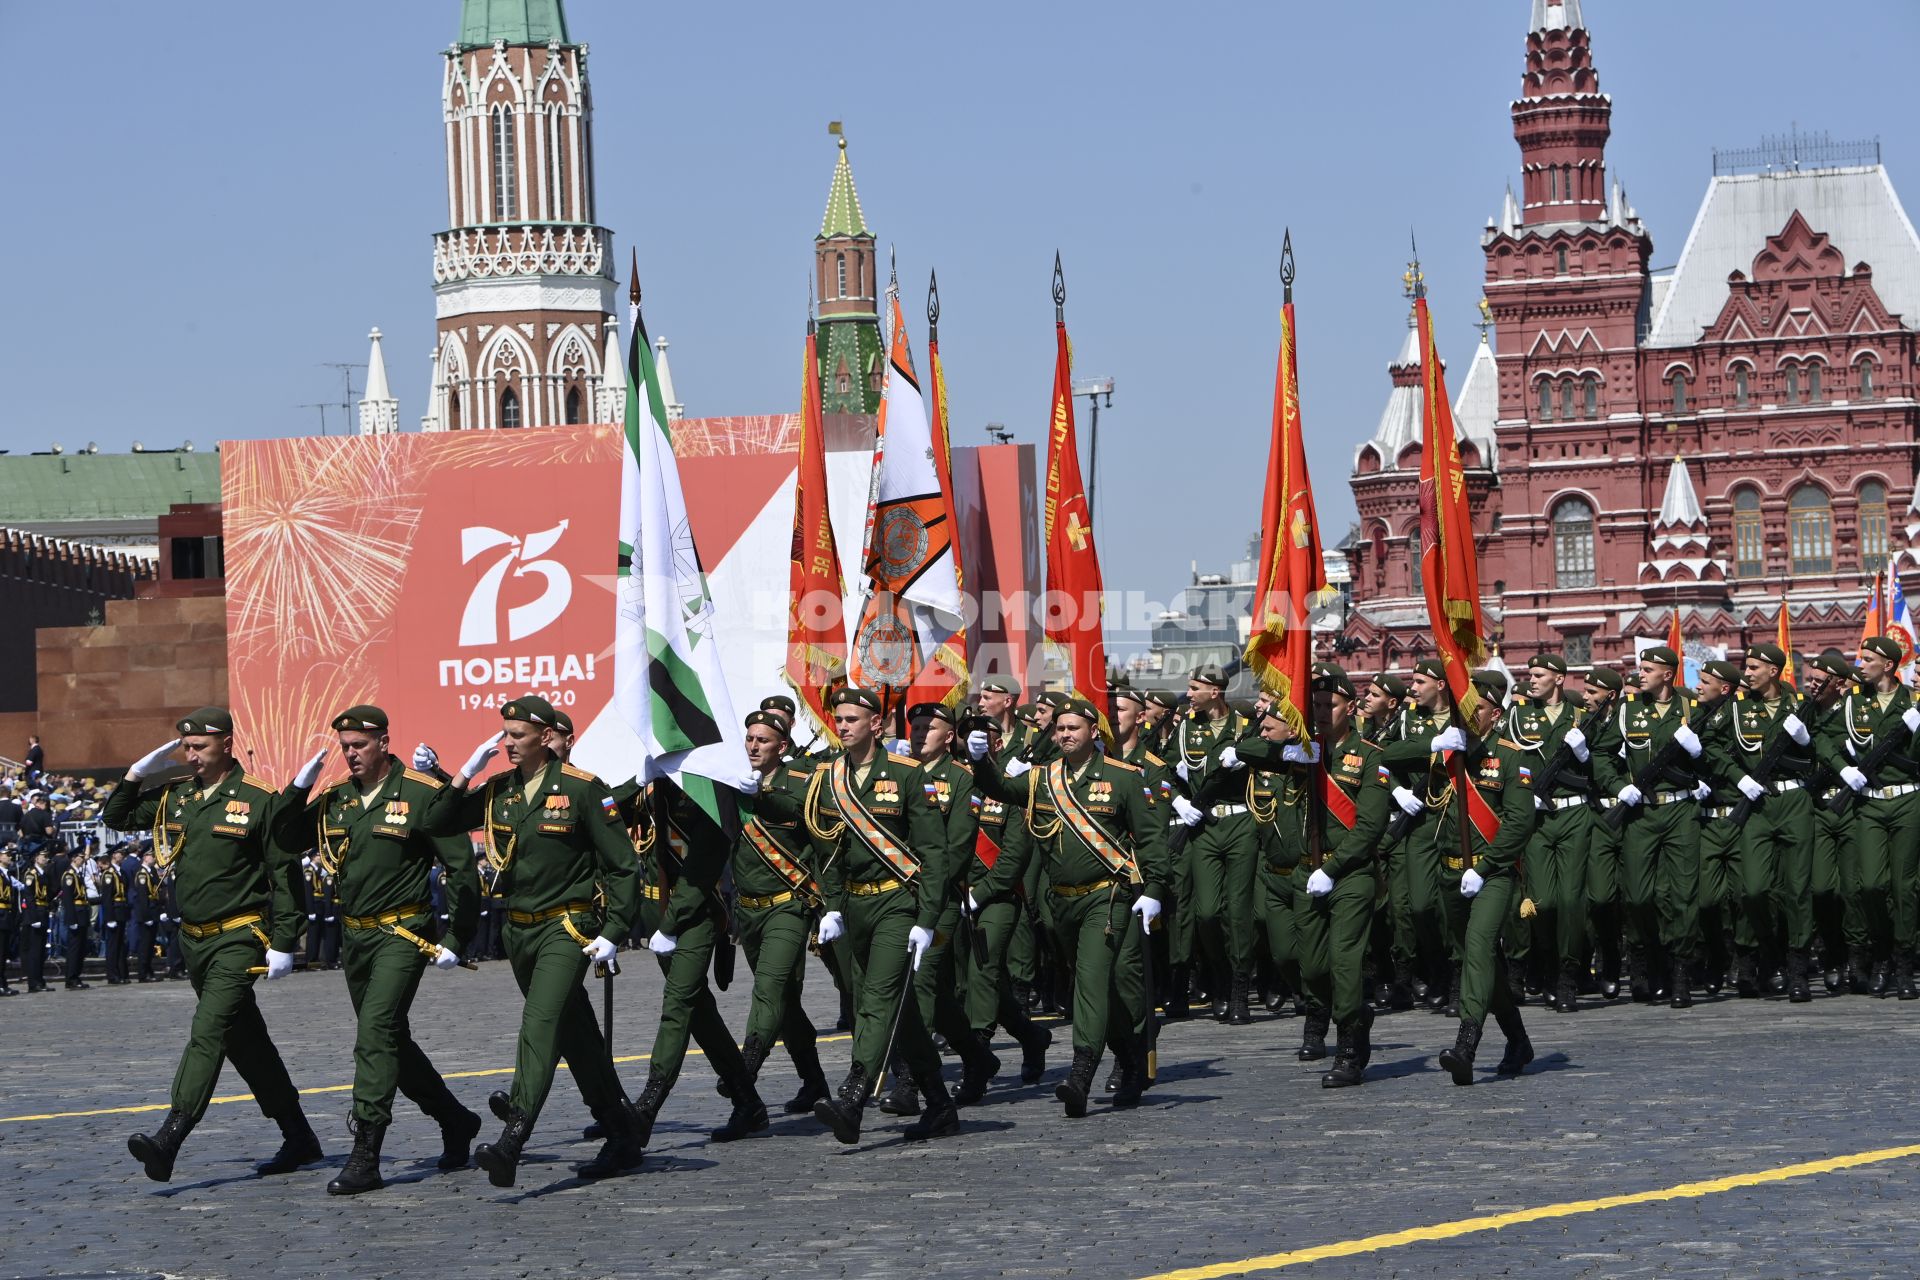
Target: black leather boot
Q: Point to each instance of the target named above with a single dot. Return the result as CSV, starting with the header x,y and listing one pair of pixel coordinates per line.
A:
x,y
1458,1061
1859,970
1132,1060
749,1112
1313,1036
1452,1008
813,1081
754,1050
1400,991
1519,1049
362,1170
842,1114
1799,988
1346,1068
1681,985
1903,976
1072,1092
298,1146
941,1119
1238,1014
1118,1069
1746,979
978,1068
623,1149
157,1150
901,1099
1877,980
646,1108
500,1102
1566,996
458,1128
1034,1042
1178,994
501,1158
1363,1039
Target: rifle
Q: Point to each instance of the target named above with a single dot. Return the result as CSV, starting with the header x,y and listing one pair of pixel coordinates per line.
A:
x,y
1883,749
1655,769
1762,773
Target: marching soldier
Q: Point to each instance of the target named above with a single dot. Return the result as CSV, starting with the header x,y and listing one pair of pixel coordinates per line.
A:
x,y
1413,869
1602,686
882,849
1094,819
227,839
115,911
369,841
1481,876
1546,728
554,831
1223,851
79,899
1172,942
1773,754
38,899
1843,942
1720,839
1880,718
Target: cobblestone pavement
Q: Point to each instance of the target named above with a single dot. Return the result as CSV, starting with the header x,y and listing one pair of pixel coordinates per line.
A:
x,y
1238,1153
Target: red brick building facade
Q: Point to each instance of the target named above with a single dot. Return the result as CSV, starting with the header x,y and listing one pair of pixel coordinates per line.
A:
x,y
1713,439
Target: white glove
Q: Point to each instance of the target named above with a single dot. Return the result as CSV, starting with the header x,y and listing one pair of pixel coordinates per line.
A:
x,y
599,950
147,763
1187,811
1180,768
918,940
425,758
749,785
312,915
1294,753
164,917
1016,767
1408,801
1230,759
1910,718
1630,795
662,943
1854,778
1319,884
310,772
831,926
1797,730
1471,883
973,904
481,754
977,744
279,964
113,924
1148,909
1577,743
1703,792
1749,788
445,959
1689,740
1451,738
1539,802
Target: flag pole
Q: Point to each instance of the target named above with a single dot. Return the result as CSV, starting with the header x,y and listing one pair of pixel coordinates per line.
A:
x,y
1315,771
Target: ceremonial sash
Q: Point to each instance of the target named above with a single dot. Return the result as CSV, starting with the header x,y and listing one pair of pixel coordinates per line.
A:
x,y
878,839
777,858
1485,820
1338,802
1118,861
985,848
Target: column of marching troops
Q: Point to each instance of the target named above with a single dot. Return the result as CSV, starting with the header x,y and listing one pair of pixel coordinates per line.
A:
x,y
1399,853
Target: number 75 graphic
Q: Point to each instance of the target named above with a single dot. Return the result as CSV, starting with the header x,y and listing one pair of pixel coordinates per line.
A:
x,y
480,623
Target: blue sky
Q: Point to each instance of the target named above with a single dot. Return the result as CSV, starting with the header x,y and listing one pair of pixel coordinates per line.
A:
x,y
204,210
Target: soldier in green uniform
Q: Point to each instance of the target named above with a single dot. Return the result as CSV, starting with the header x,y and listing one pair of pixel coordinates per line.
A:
x,y
1223,852
1093,818
1602,686
232,847
882,861
1660,847
1720,860
367,836
1886,814
1132,743
554,832
1773,756
1849,966
1379,714
1413,869
1546,728
1480,877
776,895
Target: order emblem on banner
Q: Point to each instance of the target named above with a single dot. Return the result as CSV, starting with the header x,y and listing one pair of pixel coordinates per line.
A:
x,y
886,645
902,544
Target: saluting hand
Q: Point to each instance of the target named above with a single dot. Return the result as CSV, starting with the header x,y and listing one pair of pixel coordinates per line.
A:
x,y
147,763
425,758
310,771
481,754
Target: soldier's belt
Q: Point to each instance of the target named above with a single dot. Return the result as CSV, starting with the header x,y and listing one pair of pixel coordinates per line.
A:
x,y
1226,810
551,913
1785,785
753,903
1830,793
1892,792
1667,797
1454,863
1718,810
1607,802
201,931
1566,802
651,892
386,918
1082,890
869,888
1279,870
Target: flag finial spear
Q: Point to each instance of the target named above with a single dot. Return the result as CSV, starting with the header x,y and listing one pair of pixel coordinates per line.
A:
x,y
1415,279
1059,291
809,304
633,276
933,306
1286,264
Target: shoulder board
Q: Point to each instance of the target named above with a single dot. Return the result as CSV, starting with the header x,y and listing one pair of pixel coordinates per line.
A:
x,y
1739,695
1154,760
572,772
262,788
1118,763
1505,742
425,779
897,759
1370,744
800,773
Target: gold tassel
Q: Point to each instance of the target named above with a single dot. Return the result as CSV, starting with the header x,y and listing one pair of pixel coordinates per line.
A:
x,y
1527,910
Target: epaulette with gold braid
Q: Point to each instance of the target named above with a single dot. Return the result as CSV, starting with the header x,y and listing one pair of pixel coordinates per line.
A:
x,y
1118,763
898,759
425,779
572,772
1155,760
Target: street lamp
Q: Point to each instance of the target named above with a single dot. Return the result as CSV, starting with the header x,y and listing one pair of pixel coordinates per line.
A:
x,y
1093,389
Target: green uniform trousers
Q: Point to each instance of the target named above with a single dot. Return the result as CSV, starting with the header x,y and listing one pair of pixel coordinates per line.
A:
x,y
936,983
989,989
1776,873
1834,865
227,1027
1719,894
1660,876
874,951
687,1010
383,974
1887,838
1556,880
1103,939
1476,925
1603,887
1023,948
1414,875
1333,932
1278,889
775,941
557,1019
1180,929
1224,861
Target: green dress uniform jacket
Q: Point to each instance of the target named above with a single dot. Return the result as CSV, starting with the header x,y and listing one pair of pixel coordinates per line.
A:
x,y
1886,818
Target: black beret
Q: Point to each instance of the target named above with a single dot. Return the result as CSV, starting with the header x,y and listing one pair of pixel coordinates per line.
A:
x,y
531,709
1552,662
772,719
1662,655
1392,686
1834,663
1772,653
1055,699
779,702
851,695
1432,668
1886,646
1027,714
1606,678
206,720
1210,673
1724,670
1491,685
930,711
1082,708
563,722
1162,698
1330,678
364,716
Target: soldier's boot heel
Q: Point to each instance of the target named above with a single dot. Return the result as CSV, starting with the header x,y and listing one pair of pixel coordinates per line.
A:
x,y
1519,1050
1681,985
1903,976
458,1128
942,1117
1566,997
813,1081
1799,988
1313,1036
1238,1014
1363,1040
501,1158
1072,1092
362,1170
1035,1040
623,1150
1346,1069
979,1067
1133,1076
1179,994
902,1099
1458,1061
298,1146
754,1050
643,1110
842,1114
1114,1073
500,1103
749,1112
156,1151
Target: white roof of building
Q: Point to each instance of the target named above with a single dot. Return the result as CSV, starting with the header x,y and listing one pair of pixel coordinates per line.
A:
x,y
1400,420
1856,207
1475,409
1680,504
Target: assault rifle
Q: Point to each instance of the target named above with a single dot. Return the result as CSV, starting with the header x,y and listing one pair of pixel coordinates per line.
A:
x,y
1650,774
1883,750
1762,773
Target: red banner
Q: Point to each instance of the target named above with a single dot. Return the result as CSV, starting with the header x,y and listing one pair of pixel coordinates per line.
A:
x,y
816,621
1449,567
1073,565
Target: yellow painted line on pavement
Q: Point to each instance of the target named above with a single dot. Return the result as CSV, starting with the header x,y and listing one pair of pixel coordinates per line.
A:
x,y
1542,1213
